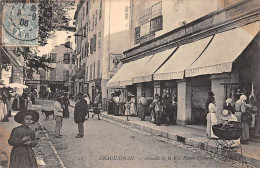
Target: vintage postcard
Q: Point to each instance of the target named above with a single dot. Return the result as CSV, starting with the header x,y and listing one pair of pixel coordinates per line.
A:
x,y
129,84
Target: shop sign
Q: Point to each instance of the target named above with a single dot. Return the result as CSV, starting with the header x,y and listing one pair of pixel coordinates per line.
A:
x,y
137,35
147,37
56,82
145,29
156,24
157,9
114,60
145,16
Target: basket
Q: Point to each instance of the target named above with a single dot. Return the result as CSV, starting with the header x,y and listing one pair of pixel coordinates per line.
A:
x,y
227,132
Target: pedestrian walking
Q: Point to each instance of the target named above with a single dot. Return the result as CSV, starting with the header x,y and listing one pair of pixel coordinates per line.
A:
x,y
116,104
87,98
241,114
152,105
142,103
22,139
97,106
66,103
58,113
8,102
209,100
80,114
174,109
127,107
110,109
158,108
133,106
211,120
3,105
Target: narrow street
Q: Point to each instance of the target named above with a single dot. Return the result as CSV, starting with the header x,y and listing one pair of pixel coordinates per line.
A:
x,y
109,145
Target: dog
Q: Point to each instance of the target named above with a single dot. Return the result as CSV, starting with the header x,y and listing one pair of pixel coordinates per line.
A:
x,y
48,113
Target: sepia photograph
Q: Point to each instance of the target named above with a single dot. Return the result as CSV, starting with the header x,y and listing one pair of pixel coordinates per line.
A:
x,y
129,84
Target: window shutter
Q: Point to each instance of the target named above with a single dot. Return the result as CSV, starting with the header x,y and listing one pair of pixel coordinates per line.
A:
x,y
94,42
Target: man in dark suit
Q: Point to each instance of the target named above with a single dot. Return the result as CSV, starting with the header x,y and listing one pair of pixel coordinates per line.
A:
x,y
80,113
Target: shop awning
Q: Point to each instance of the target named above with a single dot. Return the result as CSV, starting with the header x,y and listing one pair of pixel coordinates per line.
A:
x,y
223,51
148,69
125,74
181,59
11,56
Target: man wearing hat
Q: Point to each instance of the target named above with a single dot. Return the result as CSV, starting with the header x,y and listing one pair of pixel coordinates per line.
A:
x,y
80,113
58,113
210,99
143,102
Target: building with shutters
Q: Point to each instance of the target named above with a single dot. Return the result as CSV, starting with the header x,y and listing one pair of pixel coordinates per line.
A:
x,y
58,78
102,34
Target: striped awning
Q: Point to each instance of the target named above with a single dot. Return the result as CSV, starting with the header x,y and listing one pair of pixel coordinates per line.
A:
x,y
223,51
181,60
125,74
148,69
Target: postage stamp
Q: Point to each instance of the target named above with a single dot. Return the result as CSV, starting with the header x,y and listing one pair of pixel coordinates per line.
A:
x,y
20,24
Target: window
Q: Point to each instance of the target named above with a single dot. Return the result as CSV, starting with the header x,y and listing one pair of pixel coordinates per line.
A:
x,y
98,69
89,24
87,9
53,74
84,31
90,76
87,51
53,57
96,17
73,60
87,73
82,56
93,21
126,12
65,75
94,42
83,12
91,45
94,69
99,38
100,11
66,58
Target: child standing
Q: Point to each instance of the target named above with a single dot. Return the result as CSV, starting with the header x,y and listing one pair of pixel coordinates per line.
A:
x,y
22,139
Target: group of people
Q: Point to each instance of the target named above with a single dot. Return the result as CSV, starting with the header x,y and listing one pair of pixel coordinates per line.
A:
x,y
163,106
238,113
81,111
11,100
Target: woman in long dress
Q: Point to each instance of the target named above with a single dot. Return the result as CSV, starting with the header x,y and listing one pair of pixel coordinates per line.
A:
x,y
240,108
132,106
127,108
211,120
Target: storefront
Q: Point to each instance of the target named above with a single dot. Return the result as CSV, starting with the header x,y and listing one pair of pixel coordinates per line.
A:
x,y
221,57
